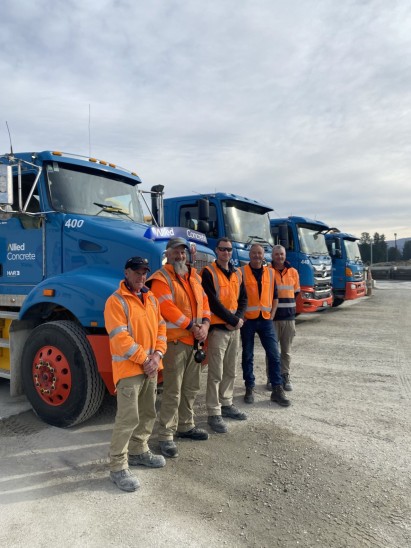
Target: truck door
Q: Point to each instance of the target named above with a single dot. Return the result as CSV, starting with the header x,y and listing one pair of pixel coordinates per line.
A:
x,y
21,240
189,217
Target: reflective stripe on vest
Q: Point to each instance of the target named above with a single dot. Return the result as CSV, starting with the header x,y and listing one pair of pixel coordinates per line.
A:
x,y
259,308
225,300
170,283
134,347
286,305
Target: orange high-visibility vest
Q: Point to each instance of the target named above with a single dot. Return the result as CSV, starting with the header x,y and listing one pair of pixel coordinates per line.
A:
x,y
258,303
135,329
227,290
181,301
288,284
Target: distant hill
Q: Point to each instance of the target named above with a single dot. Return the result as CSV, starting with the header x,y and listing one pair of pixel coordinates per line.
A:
x,y
400,242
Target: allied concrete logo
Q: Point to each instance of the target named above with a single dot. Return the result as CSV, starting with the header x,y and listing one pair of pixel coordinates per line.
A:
x,y
17,252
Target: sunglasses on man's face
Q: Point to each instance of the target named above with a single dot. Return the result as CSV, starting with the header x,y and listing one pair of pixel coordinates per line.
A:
x,y
228,249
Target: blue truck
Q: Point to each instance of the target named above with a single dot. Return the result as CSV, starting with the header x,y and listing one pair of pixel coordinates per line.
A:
x,y
348,277
68,224
242,220
307,252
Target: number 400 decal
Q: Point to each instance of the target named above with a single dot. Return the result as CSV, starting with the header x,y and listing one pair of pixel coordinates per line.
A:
x,y
74,223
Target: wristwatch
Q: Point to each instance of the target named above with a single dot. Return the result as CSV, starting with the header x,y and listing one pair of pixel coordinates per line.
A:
x,y
160,354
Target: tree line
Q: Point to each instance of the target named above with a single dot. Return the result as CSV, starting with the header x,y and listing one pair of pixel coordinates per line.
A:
x,y
374,249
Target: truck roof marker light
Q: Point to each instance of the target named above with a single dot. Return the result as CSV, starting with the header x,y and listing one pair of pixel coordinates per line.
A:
x,y
94,160
112,165
103,162
93,324
49,292
133,173
57,153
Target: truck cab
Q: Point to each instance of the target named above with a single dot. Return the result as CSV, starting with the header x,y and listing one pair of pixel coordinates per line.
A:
x,y
348,278
242,220
68,225
307,252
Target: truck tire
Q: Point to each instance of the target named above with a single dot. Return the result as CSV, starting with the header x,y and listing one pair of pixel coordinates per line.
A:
x,y
337,301
59,374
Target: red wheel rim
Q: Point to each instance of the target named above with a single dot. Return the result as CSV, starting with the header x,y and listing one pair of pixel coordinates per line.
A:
x,y
52,375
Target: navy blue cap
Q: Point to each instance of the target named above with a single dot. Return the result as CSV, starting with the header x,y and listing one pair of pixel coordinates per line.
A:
x,y
137,262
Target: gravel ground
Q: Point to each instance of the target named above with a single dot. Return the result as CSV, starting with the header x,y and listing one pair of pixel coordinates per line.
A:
x,y
332,470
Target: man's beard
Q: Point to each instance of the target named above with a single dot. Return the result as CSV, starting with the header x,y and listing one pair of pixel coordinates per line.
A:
x,y
180,267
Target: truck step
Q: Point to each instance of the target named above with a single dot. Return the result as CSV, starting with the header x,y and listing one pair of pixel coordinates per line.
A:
x,y
4,343
4,373
7,315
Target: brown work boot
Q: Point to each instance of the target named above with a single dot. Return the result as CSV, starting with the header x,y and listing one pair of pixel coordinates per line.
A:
x,y
278,396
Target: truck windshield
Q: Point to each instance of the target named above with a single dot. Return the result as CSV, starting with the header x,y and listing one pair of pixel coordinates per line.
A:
x,y
86,191
311,241
245,222
353,251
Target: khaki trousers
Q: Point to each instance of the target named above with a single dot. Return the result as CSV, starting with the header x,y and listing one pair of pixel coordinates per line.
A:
x,y
285,330
181,384
223,347
135,418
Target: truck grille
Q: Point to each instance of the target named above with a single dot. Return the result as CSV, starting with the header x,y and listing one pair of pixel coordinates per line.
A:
x,y
322,293
322,290
202,260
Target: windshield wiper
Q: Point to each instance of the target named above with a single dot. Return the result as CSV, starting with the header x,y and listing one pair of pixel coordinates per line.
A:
x,y
257,239
315,253
112,209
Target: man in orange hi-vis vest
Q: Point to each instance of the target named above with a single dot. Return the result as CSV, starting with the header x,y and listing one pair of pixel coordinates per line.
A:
x,y
226,294
288,284
262,303
137,335
184,306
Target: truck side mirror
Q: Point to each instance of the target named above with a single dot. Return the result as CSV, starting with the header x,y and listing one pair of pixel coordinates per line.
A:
x,y
203,210
338,250
203,226
157,207
283,236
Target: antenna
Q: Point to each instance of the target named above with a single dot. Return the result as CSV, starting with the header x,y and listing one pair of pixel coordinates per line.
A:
x,y
89,130
11,146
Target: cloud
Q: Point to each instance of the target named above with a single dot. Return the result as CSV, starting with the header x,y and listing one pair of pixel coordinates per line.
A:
x,y
303,105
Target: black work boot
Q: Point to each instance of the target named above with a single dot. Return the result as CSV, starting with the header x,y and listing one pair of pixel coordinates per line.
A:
x,y
249,395
286,382
278,396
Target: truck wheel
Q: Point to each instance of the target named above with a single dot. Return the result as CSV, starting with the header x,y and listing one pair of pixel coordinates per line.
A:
x,y
59,374
337,301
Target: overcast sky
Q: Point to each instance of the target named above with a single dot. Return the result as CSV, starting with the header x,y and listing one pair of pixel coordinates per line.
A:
x,y
304,105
